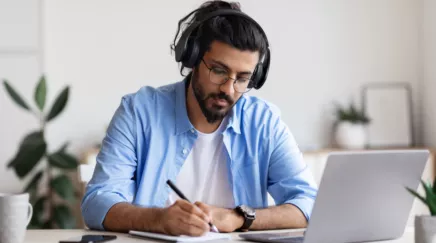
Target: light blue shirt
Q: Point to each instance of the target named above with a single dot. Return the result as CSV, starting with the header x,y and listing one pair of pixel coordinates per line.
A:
x,y
150,136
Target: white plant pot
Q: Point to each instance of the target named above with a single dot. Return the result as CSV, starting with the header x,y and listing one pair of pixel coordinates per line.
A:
x,y
425,229
351,135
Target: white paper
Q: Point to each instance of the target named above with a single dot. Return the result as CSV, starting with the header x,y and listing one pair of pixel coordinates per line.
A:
x,y
207,237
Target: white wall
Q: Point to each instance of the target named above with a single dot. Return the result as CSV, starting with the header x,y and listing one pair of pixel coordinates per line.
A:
x,y
429,71
329,49
20,63
322,51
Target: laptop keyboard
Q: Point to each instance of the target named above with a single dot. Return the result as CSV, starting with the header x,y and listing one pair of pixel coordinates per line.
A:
x,y
289,239
286,237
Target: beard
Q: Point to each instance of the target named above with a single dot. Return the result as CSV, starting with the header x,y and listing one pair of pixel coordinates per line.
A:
x,y
216,112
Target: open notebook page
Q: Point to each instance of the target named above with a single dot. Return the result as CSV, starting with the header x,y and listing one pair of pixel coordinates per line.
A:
x,y
207,237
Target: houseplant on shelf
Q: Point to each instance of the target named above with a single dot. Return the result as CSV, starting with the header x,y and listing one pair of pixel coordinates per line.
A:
x,y
51,190
425,225
350,132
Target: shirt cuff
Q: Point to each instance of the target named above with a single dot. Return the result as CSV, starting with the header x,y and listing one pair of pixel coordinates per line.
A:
x,y
304,204
95,210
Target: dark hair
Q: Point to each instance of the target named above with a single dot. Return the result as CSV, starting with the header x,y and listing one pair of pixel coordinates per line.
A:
x,y
236,31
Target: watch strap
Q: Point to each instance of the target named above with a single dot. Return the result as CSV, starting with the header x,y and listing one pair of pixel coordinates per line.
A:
x,y
248,219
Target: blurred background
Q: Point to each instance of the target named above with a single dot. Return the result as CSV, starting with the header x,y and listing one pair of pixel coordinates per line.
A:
x,y
323,52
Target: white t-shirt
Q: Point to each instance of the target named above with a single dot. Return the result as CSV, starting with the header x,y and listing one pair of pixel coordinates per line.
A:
x,y
204,177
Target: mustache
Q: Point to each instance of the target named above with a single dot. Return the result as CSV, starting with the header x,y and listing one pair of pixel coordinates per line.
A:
x,y
223,96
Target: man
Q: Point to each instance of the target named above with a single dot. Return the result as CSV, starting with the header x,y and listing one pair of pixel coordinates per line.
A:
x,y
224,149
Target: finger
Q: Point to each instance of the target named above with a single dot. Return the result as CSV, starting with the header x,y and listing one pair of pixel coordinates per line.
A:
x,y
192,220
205,208
195,231
192,209
182,228
191,230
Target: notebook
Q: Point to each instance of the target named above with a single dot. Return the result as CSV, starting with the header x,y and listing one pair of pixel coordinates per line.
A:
x,y
183,238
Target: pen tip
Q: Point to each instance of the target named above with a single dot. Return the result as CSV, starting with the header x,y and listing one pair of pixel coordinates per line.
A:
x,y
214,229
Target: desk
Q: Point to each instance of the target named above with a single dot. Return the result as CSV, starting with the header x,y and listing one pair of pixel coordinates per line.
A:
x,y
53,236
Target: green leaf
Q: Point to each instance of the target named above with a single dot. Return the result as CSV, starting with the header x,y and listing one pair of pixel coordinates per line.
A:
x,y
432,207
63,187
40,93
63,160
59,104
38,209
34,224
47,225
63,217
430,198
351,114
31,150
15,96
434,185
33,184
37,221
414,193
64,147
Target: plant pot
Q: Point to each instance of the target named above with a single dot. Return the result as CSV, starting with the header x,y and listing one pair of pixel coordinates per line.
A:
x,y
351,135
425,229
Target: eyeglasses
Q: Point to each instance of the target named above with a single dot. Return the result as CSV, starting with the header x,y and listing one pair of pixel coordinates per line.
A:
x,y
220,76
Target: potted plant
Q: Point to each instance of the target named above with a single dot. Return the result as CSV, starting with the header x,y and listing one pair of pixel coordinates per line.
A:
x,y
51,198
350,132
425,225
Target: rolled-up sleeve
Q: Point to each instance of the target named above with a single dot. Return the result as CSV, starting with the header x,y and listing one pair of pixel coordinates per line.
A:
x,y
112,181
289,178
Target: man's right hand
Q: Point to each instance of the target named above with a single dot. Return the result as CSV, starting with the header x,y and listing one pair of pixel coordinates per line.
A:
x,y
184,218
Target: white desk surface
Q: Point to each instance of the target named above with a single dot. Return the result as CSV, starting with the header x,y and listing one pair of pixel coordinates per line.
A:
x,y
54,236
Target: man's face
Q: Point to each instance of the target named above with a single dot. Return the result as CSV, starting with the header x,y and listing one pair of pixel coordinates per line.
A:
x,y
216,100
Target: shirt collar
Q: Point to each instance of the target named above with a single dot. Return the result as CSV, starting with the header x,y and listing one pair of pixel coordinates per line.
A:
x,y
182,120
235,119
183,124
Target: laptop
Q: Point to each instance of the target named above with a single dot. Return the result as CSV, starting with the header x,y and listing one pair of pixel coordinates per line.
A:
x,y
361,197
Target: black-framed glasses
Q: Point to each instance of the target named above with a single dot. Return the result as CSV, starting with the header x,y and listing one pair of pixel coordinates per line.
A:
x,y
220,76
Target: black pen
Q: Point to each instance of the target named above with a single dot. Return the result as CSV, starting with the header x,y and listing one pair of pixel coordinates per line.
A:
x,y
182,196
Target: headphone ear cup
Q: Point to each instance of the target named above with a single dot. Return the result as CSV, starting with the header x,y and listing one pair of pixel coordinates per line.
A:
x,y
257,76
191,53
264,67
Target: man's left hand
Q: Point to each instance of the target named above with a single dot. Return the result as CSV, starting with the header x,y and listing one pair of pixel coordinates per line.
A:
x,y
226,220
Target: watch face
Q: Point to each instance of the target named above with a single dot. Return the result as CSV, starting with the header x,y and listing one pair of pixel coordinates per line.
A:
x,y
247,210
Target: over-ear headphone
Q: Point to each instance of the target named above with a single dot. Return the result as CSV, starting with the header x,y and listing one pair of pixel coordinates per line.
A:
x,y
187,49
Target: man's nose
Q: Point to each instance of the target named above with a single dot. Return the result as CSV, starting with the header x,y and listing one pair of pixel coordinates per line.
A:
x,y
228,88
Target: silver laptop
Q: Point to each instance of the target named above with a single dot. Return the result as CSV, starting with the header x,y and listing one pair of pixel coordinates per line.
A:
x,y
361,197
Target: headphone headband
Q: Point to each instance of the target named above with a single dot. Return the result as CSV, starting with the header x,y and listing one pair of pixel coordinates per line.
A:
x,y
189,59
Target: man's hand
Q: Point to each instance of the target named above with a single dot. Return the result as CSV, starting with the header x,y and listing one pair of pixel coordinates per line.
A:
x,y
226,220
184,218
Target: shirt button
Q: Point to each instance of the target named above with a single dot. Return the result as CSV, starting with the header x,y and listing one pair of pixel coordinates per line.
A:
x,y
192,130
185,151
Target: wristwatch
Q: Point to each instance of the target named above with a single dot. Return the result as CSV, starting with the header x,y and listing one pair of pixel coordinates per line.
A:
x,y
249,215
